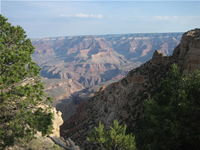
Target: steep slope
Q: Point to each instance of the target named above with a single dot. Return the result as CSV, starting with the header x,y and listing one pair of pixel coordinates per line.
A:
x,y
123,100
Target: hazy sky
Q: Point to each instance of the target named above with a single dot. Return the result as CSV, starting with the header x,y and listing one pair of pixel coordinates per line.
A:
x,y
66,18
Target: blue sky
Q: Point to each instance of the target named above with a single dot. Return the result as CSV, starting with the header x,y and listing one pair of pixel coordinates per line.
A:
x,y
67,18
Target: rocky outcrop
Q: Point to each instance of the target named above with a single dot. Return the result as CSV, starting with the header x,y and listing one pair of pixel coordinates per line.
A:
x,y
159,58
187,53
123,100
100,90
57,122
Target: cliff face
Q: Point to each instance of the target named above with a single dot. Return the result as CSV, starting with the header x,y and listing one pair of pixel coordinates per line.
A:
x,y
187,53
123,100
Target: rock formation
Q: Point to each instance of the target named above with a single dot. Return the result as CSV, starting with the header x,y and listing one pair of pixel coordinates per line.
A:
x,y
123,100
187,53
57,122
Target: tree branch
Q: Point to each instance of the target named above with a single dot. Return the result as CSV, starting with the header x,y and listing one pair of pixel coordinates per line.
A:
x,y
62,145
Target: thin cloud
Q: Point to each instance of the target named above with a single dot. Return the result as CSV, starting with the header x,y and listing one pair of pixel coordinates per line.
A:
x,y
174,18
81,15
161,17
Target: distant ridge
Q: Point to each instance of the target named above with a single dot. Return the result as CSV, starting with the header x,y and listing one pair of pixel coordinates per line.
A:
x,y
54,37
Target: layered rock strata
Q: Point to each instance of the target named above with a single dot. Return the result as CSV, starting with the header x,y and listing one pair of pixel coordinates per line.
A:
x,y
187,53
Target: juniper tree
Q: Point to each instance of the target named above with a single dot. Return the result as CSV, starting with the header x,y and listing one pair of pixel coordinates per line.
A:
x,y
21,90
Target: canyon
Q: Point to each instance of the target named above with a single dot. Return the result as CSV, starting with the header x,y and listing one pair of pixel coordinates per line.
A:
x,y
75,67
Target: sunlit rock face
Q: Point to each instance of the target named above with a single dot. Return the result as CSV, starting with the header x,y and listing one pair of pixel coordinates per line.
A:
x,y
187,53
57,122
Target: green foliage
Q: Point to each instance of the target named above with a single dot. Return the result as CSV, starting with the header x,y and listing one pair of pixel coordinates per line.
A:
x,y
39,143
21,90
172,117
113,139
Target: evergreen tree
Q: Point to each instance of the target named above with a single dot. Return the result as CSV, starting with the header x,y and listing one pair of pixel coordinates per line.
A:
x,y
21,90
172,117
113,139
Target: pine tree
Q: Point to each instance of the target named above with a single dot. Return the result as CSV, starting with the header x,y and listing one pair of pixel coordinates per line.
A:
x,y
113,139
21,90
